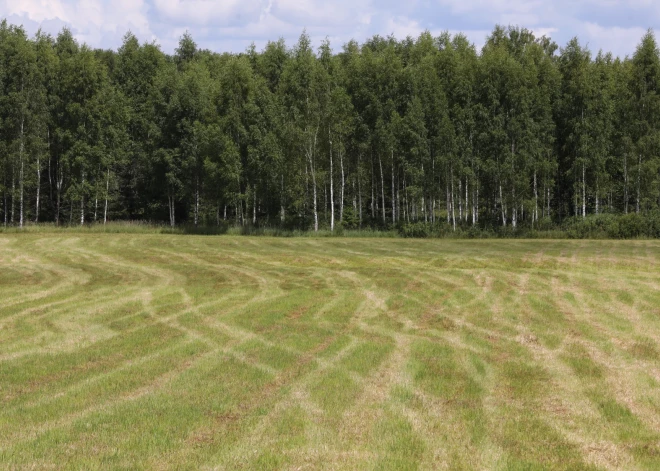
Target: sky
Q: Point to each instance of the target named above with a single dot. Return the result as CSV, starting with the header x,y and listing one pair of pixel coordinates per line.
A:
x,y
232,25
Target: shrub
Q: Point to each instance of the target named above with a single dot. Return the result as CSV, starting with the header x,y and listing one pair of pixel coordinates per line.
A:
x,y
415,230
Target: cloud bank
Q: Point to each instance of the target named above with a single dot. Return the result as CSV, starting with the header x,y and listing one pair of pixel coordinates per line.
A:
x,y
231,25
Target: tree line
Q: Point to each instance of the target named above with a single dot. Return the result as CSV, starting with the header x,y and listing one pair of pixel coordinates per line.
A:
x,y
378,134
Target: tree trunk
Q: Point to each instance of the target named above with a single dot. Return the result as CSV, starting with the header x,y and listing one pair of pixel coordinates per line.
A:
x,y
466,199
373,214
282,212
170,202
514,213
584,193
343,186
536,201
311,150
453,204
393,195
36,213
382,186
13,195
59,182
398,200
96,193
432,189
332,192
475,216
50,174
639,179
502,207
460,199
316,212
406,209
448,204
82,201
625,183
254,206
4,194
359,189
107,191
196,200
425,210
597,190
20,181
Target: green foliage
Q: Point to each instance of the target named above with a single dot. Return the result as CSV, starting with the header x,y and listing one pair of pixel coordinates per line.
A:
x,y
514,139
627,226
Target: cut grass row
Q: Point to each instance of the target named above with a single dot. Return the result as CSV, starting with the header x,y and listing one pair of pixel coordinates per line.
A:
x,y
147,351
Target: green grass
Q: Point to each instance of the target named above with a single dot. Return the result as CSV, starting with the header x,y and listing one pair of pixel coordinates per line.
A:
x,y
139,350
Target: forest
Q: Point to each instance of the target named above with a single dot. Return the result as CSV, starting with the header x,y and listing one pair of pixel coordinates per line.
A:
x,y
383,134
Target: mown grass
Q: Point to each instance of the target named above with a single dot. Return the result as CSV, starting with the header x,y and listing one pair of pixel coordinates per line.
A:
x,y
155,351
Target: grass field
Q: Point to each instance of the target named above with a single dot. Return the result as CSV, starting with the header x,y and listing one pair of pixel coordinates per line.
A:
x,y
138,351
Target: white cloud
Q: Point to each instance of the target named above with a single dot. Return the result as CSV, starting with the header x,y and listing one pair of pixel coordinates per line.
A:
x,y
203,12
614,25
619,41
92,21
524,12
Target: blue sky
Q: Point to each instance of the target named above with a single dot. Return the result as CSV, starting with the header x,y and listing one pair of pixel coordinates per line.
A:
x,y
231,25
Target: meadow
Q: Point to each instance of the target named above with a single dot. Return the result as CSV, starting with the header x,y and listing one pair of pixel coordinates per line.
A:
x,y
157,351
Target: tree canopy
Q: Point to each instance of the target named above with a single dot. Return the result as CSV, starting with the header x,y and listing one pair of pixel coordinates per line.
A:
x,y
384,133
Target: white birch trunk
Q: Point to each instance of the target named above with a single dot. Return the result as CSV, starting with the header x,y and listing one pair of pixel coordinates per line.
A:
x,y
36,214
373,214
514,216
59,182
502,207
625,183
332,192
424,210
536,201
170,201
254,206
639,178
107,192
282,212
82,201
460,199
343,186
393,196
475,217
196,200
13,195
466,199
448,204
20,181
6,208
584,193
310,156
382,186
359,189
597,199
453,204
96,194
